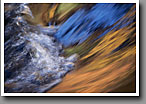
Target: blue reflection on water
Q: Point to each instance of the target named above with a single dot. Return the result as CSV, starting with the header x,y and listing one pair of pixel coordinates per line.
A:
x,y
84,22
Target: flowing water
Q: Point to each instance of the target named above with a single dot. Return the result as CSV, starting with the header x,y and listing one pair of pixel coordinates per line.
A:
x,y
95,41
32,57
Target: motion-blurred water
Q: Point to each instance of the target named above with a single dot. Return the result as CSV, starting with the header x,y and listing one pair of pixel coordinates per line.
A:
x,y
101,36
84,23
32,57
105,38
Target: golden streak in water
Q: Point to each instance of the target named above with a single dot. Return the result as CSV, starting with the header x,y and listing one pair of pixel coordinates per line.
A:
x,y
102,69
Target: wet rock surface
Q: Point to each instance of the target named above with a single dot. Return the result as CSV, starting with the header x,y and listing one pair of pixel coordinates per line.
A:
x,y
33,61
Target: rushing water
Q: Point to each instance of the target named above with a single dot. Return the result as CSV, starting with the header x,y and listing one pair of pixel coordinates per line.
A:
x,y
83,23
100,37
105,38
32,57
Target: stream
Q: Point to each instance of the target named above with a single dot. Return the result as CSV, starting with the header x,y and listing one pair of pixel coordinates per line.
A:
x,y
33,61
83,47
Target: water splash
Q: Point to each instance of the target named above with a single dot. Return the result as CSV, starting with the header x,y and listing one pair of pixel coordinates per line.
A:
x,y
102,35
32,57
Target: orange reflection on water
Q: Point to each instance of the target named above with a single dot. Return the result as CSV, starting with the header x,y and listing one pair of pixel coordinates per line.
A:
x,y
102,69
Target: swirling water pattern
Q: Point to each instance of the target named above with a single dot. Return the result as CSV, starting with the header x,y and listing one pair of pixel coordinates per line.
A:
x,y
32,57
102,36
108,56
